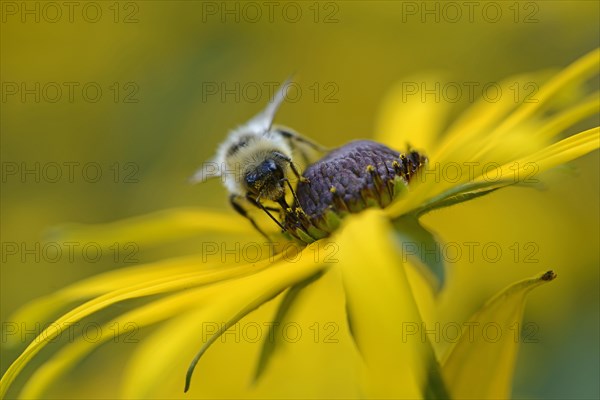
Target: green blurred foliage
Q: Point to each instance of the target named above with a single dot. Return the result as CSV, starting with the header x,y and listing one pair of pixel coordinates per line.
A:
x,y
171,52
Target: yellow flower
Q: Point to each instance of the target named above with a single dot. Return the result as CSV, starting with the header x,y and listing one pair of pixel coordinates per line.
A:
x,y
358,278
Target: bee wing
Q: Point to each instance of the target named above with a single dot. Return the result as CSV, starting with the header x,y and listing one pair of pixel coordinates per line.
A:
x,y
262,121
210,169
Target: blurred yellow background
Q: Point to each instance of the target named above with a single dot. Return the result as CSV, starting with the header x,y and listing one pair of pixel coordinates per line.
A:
x,y
142,92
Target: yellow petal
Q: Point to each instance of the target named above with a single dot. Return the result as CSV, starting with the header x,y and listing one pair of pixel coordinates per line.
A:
x,y
326,365
481,364
524,117
528,168
154,228
406,119
559,123
482,117
230,301
146,288
525,170
573,75
127,326
291,297
155,357
381,307
46,307
511,136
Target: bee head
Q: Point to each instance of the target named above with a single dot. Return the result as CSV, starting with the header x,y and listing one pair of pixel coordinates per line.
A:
x,y
266,180
257,127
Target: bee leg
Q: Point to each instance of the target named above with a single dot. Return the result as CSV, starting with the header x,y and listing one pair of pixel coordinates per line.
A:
x,y
258,204
282,203
296,201
272,208
292,137
234,200
301,144
295,171
293,167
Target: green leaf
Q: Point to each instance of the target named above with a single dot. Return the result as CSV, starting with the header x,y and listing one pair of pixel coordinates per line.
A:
x,y
436,387
458,194
481,364
421,247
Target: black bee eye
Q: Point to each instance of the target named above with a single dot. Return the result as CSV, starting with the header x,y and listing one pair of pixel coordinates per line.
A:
x,y
268,166
267,171
251,179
